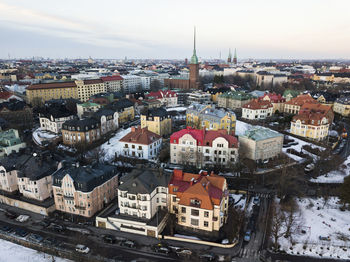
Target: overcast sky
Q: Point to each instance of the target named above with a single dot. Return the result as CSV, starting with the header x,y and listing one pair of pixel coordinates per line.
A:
x,y
164,28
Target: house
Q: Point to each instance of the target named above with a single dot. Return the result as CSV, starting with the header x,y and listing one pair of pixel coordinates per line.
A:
x,y
318,108
17,113
199,201
324,97
277,101
209,117
125,109
108,119
342,106
293,106
141,143
257,109
10,142
142,203
87,108
84,190
157,120
52,118
84,131
233,100
203,147
6,96
261,143
199,97
168,98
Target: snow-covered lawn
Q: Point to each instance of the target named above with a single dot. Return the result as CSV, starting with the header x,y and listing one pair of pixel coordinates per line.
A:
x,y
334,176
40,136
181,108
238,201
114,146
318,219
10,252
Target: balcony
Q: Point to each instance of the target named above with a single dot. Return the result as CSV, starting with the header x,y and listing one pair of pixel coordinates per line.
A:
x,y
68,197
80,207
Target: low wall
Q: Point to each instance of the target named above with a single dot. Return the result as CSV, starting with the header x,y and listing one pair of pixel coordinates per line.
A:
x,y
27,206
200,242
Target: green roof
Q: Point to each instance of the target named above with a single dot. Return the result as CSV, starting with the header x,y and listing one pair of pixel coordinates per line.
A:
x,y
89,104
236,95
261,133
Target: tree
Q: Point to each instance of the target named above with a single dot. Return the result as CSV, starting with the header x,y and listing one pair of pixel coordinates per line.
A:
x,y
277,225
344,192
292,216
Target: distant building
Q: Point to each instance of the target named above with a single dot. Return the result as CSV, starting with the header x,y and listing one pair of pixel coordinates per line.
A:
x,y
52,118
87,108
293,106
261,144
199,97
84,190
277,101
199,201
84,131
167,98
157,120
342,106
10,142
113,83
87,88
233,100
257,109
131,84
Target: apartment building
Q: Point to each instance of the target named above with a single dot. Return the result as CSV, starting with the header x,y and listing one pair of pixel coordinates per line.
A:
x,y
87,108
257,109
342,106
109,120
113,83
17,113
261,143
157,120
131,84
84,190
233,99
198,97
203,148
141,143
167,98
199,201
80,131
10,142
89,87
209,117
142,203
293,106
277,100
125,109
52,118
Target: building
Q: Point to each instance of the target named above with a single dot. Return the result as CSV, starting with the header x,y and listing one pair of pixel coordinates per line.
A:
x,y
52,118
108,119
203,148
131,84
257,109
342,106
263,79
102,99
113,83
318,108
157,120
78,132
87,108
40,93
293,106
141,143
17,113
142,203
209,117
199,201
277,101
289,94
89,87
261,144
192,82
125,109
10,142
199,97
84,190
233,100
167,98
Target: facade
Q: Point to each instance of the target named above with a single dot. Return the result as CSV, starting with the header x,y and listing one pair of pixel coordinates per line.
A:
x,y
342,106
113,83
167,98
142,203
199,201
319,109
84,190
40,93
157,120
17,113
199,97
261,144
108,119
233,100
125,109
257,109
52,119
84,131
293,106
277,101
131,84
141,143
207,116
203,148
10,142
86,108
88,88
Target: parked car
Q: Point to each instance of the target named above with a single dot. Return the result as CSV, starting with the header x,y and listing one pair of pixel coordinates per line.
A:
x,y
11,215
35,238
309,167
174,248
128,243
294,143
207,257
184,253
82,249
51,242
20,232
225,241
57,227
161,249
324,238
247,236
6,228
109,239
256,201
22,218
44,223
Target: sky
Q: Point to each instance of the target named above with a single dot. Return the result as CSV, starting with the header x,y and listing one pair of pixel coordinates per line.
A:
x,y
258,29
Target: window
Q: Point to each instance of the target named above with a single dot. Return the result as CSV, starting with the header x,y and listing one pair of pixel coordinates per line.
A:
x,y
206,214
183,210
194,222
174,198
183,219
206,224
195,212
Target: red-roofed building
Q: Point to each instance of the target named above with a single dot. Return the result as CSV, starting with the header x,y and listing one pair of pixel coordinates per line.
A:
x,y
6,96
277,101
166,97
199,201
203,147
293,106
257,109
113,83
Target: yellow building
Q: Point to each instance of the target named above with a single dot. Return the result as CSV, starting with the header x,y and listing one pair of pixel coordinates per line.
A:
x,y
88,88
342,106
200,116
157,120
324,77
125,108
40,93
310,125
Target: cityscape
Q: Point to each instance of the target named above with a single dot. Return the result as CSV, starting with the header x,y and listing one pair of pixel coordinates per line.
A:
x,y
150,138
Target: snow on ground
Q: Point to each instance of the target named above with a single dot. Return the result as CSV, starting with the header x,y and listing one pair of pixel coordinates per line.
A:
x,y
329,222
250,207
242,127
334,176
113,146
40,136
188,237
10,252
239,201
180,109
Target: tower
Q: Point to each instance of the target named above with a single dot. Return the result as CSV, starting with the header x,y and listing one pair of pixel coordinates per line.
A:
x,y
194,66
229,59
235,57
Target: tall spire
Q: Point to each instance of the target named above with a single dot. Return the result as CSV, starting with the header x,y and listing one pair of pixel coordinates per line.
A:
x,y
235,57
194,58
229,56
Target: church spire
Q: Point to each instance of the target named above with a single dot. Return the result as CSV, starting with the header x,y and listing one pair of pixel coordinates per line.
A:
x,y
235,57
194,58
229,56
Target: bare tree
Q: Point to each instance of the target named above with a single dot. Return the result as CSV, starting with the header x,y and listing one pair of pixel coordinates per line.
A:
x,y
277,224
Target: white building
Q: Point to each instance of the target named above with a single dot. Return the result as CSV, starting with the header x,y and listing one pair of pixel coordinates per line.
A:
x,y
257,109
113,83
146,82
52,120
131,83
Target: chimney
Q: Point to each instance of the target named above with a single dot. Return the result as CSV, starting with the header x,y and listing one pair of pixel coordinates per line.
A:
x,y
192,179
133,129
207,186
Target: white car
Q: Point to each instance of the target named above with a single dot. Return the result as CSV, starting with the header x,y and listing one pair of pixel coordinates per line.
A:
x,y
22,218
82,249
